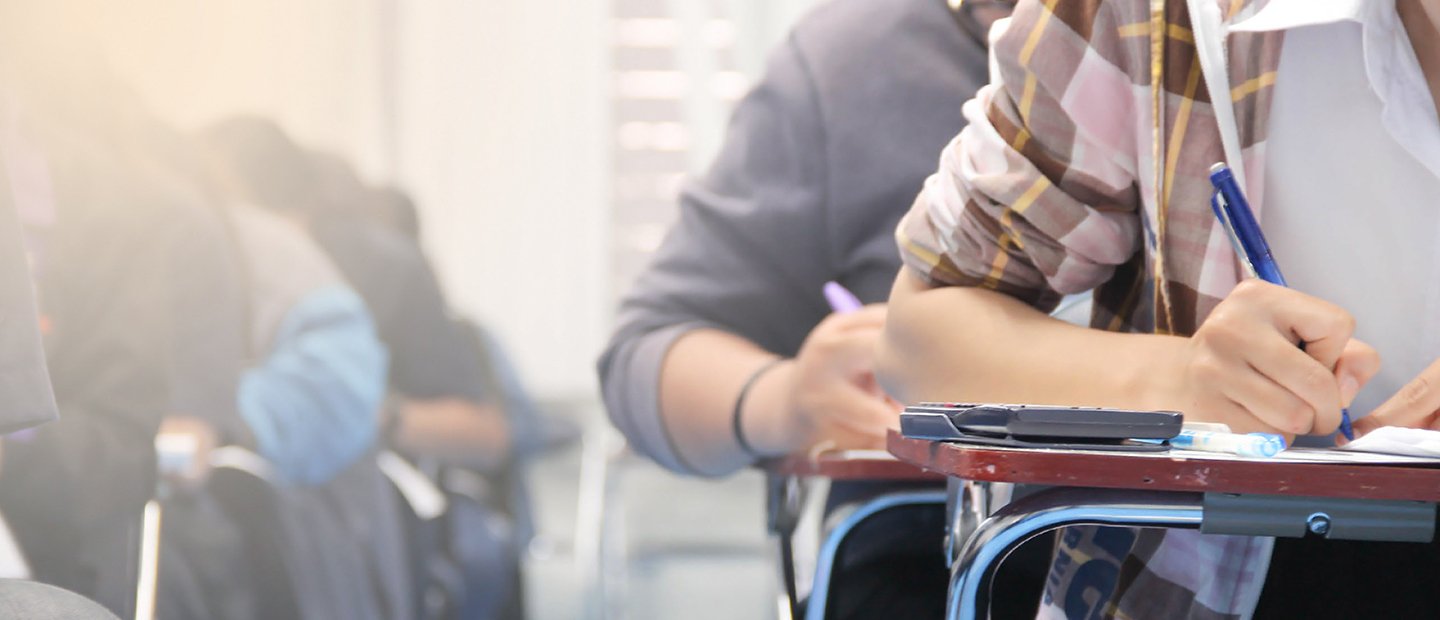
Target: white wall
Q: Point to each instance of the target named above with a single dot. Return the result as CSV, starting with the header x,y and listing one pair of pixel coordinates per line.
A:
x,y
505,140
311,64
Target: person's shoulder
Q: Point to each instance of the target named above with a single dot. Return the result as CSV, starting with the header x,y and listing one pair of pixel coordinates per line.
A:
x,y
278,249
838,30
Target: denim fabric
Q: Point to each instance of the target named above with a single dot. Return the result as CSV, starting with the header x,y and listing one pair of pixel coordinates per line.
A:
x,y
313,403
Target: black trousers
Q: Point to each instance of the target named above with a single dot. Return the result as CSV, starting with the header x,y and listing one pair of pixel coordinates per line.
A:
x,y
1313,578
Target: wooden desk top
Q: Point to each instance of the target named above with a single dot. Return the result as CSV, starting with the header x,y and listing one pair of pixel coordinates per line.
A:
x,y
851,465
1164,472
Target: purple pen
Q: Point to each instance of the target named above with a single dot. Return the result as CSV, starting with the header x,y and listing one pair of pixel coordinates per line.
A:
x,y
841,300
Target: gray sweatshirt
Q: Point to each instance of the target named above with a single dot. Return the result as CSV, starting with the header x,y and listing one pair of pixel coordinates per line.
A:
x,y
820,161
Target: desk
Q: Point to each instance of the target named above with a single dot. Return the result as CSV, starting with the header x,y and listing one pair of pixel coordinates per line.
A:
x,y
1273,498
786,501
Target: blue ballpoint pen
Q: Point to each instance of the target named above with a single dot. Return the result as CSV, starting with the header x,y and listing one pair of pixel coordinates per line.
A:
x,y
1233,211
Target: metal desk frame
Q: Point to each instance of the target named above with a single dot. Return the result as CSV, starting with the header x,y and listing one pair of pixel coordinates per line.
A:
x,y
1336,501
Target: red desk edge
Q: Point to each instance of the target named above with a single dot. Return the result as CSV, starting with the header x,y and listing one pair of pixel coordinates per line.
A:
x,y
1120,471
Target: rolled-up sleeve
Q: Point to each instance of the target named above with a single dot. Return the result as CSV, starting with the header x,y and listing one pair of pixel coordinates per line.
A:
x,y
1039,195
753,238
630,374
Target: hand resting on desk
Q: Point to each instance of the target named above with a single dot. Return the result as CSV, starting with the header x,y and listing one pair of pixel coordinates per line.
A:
x,y
1417,405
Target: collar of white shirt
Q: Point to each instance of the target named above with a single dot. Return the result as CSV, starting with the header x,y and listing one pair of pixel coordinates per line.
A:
x,y
1391,67
1287,14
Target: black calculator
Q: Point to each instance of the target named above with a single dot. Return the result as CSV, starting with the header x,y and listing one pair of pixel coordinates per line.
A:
x,y
1049,426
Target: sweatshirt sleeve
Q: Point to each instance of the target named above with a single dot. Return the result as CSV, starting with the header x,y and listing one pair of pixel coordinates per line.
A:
x,y
753,238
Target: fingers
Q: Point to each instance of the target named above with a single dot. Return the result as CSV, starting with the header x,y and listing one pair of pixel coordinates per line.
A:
x,y
866,412
1273,405
1238,418
871,316
1304,378
848,352
1413,406
1248,352
1322,327
1357,366
1362,426
857,419
844,439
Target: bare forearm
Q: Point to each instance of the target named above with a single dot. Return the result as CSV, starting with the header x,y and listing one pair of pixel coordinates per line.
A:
x,y
969,344
700,380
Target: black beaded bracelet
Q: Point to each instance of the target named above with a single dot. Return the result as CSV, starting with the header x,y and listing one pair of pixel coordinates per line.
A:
x,y
735,426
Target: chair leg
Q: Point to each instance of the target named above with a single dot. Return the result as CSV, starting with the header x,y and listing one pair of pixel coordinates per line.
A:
x,y
147,586
602,450
784,503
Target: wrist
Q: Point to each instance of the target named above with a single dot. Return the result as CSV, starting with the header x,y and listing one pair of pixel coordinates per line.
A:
x,y
766,419
1157,377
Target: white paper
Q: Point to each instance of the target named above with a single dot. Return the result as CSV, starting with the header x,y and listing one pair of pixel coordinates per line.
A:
x,y
1312,455
1291,455
1417,442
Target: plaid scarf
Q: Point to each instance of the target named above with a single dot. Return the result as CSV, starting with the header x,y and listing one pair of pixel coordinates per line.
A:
x,y
1085,167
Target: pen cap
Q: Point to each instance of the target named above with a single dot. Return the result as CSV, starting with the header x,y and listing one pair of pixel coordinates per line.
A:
x,y
1261,445
841,300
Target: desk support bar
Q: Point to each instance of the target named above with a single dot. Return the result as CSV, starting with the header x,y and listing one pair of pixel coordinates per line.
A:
x,y
1051,509
1326,517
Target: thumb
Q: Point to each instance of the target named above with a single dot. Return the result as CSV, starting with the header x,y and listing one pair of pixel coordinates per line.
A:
x,y
1357,365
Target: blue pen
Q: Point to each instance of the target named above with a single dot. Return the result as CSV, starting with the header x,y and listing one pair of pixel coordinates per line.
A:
x,y
1233,211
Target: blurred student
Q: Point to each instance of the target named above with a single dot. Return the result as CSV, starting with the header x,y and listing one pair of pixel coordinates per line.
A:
x,y
314,396
1055,188
141,314
26,398
101,238
204,570
446,418
442,409
844,123
726,351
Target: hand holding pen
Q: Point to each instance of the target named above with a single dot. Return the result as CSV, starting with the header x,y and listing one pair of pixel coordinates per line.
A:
x,y
1242,366
1301,367
830,395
